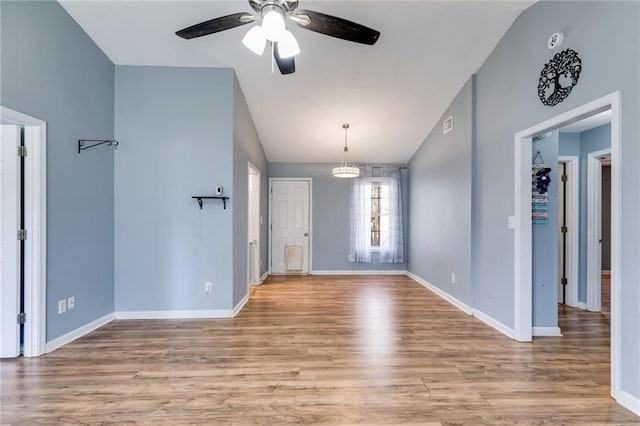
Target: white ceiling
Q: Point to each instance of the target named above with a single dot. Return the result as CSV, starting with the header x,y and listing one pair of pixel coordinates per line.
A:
x,y
391,93
588,123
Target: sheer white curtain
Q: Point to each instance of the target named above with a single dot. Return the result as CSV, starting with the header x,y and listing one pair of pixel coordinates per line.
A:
x,y
392,251
391,237
361,217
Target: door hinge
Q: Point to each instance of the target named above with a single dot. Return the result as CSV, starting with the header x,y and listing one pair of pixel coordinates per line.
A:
x,y
22,234
564,229
564,178
564,281
22,318
22,151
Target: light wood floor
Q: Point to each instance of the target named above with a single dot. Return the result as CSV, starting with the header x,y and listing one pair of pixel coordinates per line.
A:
x,y
321,350
605,292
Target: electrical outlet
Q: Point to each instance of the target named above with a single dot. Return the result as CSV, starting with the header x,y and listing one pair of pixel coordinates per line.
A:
x,y
453,278
62,306
71,302
208,287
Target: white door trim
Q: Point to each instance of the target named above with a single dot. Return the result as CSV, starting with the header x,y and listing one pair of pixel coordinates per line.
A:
x,y
256,171
594,228
522,235
310,180
573,225
35,223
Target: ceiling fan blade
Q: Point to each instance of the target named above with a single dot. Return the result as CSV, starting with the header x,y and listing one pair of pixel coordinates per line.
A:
x,y
336,27
286,66
216,25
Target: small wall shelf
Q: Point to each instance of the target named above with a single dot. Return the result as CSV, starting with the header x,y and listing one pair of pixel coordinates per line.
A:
x,y
209,197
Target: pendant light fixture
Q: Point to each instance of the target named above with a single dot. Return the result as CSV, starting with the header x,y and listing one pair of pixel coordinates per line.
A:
x,y
345,169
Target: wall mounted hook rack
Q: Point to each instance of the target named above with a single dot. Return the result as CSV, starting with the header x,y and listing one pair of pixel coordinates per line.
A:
x,y
82,143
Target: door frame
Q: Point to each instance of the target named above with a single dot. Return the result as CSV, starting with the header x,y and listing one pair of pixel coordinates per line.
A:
x,y
522,235
310,239
256,171
36,225
594,228
573,224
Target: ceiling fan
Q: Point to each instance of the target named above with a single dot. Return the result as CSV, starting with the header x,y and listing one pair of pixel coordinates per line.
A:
x,y
273,14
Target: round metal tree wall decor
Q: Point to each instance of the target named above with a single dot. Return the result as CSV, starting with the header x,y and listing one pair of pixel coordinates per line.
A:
x,y
558,77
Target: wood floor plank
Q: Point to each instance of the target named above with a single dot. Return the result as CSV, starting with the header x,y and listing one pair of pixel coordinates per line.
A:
x,y
356,350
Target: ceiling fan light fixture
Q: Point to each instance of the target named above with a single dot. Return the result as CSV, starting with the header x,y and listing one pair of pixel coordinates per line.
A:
x,y
273,23
288,45
345,169
255,40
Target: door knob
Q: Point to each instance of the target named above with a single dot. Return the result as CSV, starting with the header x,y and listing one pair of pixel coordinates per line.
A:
x,y
306,234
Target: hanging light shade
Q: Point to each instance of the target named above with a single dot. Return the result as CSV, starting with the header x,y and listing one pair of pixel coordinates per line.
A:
x,y
255,40
287,45
273,22
345,169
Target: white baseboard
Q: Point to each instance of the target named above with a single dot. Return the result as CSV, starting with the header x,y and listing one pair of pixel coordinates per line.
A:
x,y
490,321
361,272
455,302
78,332
547,331
582,305
494,323
263,277
628,401
240,305
215,313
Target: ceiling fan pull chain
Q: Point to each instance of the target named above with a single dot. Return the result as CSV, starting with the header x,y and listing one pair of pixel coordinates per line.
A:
x,y
273,59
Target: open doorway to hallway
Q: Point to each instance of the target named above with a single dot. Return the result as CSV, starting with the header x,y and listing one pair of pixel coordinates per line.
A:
x,y
584,213
523,237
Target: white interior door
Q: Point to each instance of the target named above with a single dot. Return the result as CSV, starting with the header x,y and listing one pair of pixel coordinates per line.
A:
x,y
290,226
253,226
561,223
9,249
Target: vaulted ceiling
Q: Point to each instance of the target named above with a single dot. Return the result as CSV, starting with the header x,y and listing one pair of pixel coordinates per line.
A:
x,y
392,93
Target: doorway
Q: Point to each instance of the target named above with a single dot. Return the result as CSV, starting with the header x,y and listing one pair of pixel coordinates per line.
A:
x,y
523,229
23,221
290,225
599,228
568,229
253,225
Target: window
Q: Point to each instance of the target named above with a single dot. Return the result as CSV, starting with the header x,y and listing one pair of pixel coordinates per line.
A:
x,y
376,216
379,214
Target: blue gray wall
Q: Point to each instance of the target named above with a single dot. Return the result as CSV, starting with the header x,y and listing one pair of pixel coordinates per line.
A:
x,y
544,252
330,210
246,147
175,127
606,35
51,70
440,194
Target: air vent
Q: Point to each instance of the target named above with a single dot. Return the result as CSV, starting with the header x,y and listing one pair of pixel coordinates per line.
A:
x,y
447,125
